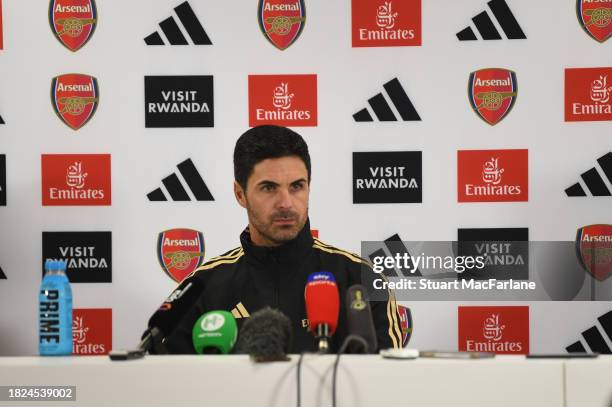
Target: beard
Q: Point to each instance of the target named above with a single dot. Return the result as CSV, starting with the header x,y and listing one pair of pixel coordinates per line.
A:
x,y
275,233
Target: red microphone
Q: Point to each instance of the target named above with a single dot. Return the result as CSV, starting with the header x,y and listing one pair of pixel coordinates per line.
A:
x,y
322,306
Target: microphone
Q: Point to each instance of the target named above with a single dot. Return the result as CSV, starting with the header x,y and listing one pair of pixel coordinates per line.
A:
x,y
359,319
163,322
214,333
322,306
265,336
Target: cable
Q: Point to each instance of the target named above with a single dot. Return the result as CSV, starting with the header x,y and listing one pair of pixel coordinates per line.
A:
x,y
347,342
299,376
299,379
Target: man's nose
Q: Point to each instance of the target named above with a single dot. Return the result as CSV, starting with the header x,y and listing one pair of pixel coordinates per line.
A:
x,y
284,199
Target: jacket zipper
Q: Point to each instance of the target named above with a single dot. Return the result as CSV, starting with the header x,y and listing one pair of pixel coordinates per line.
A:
x,y
276,283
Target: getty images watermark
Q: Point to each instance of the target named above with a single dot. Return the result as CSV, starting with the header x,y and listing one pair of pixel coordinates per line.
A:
x,y
487,270
458,265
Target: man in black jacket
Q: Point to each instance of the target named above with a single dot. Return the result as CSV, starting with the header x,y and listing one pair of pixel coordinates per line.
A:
x,y
278,253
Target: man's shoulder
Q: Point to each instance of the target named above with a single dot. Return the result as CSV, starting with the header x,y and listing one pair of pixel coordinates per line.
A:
x,y
223,261
346,256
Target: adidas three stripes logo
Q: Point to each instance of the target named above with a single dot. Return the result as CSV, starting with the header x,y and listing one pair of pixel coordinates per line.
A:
x,y
175,187
382,110
593,179
396,247
593,337
239,311
486,27
173,33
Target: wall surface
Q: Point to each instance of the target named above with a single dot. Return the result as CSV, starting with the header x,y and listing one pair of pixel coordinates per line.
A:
x,y
434,75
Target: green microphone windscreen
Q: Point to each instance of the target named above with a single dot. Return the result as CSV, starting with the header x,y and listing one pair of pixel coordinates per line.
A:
x,y
215,332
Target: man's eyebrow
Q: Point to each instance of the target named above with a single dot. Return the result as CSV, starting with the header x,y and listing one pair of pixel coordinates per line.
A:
x,y
267,182
299,180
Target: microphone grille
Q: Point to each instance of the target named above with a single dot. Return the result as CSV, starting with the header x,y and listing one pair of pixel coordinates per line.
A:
x,y
265,335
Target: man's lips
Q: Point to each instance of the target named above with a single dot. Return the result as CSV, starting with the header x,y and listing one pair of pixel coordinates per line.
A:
x,y
284,221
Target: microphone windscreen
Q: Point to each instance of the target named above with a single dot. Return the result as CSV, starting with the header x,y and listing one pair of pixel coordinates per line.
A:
x,y
266,335
181,300
322,301
214,332
359,318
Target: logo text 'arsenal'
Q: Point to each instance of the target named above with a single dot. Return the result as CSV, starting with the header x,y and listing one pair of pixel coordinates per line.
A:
x,y
75,98
492,93
73,22
281,21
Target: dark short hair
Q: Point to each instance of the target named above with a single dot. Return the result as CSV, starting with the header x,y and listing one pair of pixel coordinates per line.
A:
x,y
263,142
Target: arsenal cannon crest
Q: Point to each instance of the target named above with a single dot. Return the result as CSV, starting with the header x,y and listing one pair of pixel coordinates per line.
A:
x,y
281,21
73,22
492,93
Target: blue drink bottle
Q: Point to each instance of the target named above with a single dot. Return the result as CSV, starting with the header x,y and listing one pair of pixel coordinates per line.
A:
x,y
55,311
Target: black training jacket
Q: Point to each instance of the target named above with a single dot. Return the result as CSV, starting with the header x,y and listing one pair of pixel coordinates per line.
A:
x,y
251,277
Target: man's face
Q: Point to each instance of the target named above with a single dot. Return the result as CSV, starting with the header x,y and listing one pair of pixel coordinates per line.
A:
x,y
276,200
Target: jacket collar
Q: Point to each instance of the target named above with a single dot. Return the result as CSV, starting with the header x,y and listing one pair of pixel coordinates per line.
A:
x,y
289,252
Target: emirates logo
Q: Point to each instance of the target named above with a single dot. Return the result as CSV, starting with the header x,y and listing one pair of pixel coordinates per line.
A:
x,y
79,330
491,173
282,98
75,177
492,329
385,17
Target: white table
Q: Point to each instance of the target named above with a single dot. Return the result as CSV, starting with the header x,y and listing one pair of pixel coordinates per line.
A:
x,y
363,381
589,382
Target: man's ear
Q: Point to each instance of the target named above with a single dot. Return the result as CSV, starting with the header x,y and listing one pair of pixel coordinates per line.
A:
x,y
239,194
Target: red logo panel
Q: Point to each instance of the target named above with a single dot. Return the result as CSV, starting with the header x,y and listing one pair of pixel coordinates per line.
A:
x,y
492,176
75,98
92,331
594,244
281,21
180,252
492,93
386,23
588,94
501,330
285,100
1,30
73,22
76,179
595,17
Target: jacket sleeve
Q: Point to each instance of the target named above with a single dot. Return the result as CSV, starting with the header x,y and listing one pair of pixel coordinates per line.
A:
x,y
387,322
384,311
179,341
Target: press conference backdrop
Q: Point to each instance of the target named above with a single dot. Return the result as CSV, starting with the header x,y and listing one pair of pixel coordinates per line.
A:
x,y
348,98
